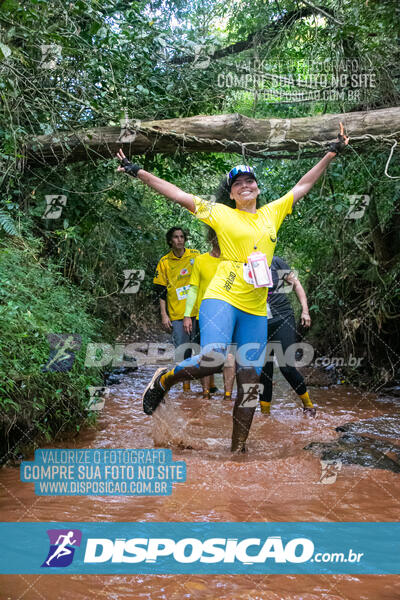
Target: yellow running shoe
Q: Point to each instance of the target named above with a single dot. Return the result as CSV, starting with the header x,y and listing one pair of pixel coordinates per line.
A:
x,y
265,407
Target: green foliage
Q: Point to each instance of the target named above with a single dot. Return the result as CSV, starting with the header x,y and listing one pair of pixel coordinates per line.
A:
x,y
77,65
7,223
353,289
34,302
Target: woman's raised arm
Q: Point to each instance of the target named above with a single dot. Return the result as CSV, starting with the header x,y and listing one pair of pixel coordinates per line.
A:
x,y
169,190
308,180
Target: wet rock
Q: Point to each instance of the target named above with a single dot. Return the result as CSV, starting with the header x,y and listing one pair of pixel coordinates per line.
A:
x,y
112,379
356,449
126,370
116,375
386,427
319,376
392,391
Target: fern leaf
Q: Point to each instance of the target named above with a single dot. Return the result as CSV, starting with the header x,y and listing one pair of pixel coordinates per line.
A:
x,y
7,223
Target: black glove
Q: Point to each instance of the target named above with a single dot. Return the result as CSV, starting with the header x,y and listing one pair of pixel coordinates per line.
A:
x,y
339,146
130,168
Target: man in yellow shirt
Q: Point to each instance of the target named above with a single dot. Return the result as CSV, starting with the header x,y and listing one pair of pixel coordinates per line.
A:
x,y
172,283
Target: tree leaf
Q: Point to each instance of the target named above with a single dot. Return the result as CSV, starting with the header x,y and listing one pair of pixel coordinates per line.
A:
x,y
5,50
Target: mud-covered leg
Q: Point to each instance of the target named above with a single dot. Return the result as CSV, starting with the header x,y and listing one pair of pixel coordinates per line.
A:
x,y
196,367
246,402
229,375
206,384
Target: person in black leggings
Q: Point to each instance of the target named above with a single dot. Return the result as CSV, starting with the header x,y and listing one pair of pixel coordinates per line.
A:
x,y
282,329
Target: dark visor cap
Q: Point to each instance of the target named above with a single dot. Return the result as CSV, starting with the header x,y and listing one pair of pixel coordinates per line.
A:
x,y
239,170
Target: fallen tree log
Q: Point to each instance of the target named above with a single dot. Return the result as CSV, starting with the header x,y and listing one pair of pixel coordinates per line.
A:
x,y
216,133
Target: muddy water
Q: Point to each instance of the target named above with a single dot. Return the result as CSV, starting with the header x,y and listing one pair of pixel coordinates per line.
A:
x,y
276,481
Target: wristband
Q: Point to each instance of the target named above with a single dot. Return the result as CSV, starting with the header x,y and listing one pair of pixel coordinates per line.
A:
x,y
337,147
130,168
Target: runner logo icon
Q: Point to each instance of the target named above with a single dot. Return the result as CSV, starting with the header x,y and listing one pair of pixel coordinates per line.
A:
x,y
251,393
61,551
62,351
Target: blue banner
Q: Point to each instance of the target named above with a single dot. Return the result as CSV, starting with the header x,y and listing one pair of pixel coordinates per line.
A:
x,y
114,472
200,548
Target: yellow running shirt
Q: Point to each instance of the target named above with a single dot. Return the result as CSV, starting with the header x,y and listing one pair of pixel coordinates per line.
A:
x,y
238,232
204,269
174,273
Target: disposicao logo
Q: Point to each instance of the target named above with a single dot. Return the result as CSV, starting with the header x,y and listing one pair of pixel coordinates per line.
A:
x,y
191,550
169,555
62,550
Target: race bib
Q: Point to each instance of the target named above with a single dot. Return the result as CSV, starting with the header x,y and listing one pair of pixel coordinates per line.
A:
x,y
260,271
182,292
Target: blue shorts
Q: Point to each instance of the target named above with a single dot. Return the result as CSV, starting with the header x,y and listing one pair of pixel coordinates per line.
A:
x,y
224,328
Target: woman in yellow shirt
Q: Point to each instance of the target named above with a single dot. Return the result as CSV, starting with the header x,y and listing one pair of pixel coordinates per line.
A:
x,y
204,268
233,310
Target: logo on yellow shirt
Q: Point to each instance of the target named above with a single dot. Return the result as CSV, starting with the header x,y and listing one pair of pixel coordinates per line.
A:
x,y
229,281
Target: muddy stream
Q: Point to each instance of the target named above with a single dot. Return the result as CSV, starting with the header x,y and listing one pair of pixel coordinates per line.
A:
x,y
277,480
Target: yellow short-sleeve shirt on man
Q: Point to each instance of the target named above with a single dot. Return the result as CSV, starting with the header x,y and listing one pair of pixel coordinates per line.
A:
x,y
238,233
204,269
174,273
